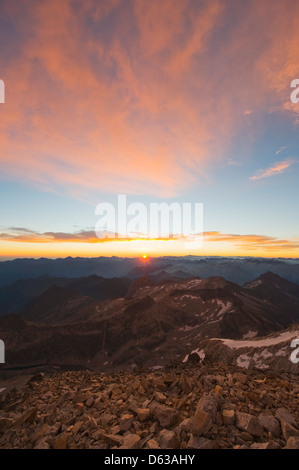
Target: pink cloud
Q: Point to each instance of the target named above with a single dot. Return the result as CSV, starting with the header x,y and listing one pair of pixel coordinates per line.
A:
x,y
275,169
152,108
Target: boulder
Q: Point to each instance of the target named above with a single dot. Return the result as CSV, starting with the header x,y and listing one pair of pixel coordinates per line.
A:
x,y
126,422
196,442
167,439
131,441
292,442
36,378
143,414
228,417
271,424
152,444
249,423
200,423
288,423
209,403
166,416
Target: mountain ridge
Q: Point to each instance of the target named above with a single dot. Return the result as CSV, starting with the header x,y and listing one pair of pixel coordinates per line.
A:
x,y
156,323
236,269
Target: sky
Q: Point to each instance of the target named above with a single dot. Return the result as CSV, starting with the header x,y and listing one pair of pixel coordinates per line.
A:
x,y
163,101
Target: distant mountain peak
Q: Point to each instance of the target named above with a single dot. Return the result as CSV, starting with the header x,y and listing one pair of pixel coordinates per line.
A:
x,y
266,278
269,276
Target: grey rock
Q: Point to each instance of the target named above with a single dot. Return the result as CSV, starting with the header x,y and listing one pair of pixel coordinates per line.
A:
x,y
209,403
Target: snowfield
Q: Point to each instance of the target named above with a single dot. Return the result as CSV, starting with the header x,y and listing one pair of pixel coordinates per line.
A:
x,y
237,344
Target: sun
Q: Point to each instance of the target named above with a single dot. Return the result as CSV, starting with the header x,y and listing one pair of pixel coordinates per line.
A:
x,y
144,256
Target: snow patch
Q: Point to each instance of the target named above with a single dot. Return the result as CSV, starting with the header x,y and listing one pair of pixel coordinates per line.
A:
x,y
260,343
250,334
189,296
254,284
194,282
187,328
224,307
186,358
243,361
259,359
200,353
282,351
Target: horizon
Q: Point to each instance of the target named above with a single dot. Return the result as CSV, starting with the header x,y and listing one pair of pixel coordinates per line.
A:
x,y
192,102
148,258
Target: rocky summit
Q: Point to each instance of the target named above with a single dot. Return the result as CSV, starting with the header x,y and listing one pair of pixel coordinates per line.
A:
x,y
200,363
199,406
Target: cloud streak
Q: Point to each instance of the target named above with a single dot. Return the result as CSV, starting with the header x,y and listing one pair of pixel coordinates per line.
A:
x,y
250,242
276,169
253,242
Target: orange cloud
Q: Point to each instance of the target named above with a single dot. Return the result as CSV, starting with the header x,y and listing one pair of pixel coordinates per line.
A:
x,y
276,168
139,97
23,235
212,241
253,242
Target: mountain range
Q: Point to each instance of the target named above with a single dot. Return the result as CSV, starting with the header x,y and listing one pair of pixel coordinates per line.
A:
x,y
15,296
234,269
119,323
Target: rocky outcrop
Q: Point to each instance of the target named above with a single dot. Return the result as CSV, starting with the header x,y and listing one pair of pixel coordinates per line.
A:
x,y
271,352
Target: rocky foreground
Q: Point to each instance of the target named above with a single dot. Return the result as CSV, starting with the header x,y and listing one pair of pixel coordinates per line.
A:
x,y
200,407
